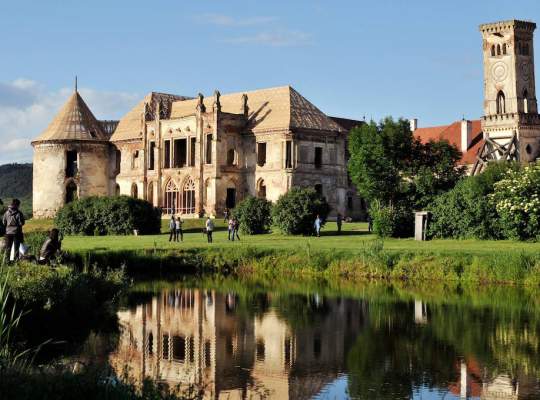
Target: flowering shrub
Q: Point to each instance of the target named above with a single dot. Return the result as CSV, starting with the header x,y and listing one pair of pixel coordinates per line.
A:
x,y
517,200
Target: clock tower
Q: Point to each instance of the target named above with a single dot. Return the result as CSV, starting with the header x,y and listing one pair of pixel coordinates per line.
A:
x,y
511,123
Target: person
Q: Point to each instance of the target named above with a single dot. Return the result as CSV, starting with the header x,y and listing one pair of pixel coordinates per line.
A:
x,y
209,229
172,229
226,215
50,247
230,229
369,223
318,224
339,221
236,228
13,221
178,227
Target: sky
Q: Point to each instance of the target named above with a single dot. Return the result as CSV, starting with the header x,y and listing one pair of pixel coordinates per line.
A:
x,y
355,58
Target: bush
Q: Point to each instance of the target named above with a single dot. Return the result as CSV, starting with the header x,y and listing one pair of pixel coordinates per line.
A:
x,y
517,200
254,215
391,221
295,211
118,215
465,211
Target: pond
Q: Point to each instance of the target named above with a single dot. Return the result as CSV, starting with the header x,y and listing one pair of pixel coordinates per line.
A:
x,y
374,342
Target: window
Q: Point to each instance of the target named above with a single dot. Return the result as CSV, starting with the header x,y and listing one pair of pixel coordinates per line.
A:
x,y
188,197
501,106
207,353
191,345
288,154
150,344
117,190
167,154
134,191
118,160
498,49
209,149
493,50
318,157
179,348
525,49
230,202
259,350
318,189
261,154
350,204
504,49
192,143
71,164
180,153
150,193
528,149
71,192
261,189
151,158
525,102
172,198
165,347
231,157
135,160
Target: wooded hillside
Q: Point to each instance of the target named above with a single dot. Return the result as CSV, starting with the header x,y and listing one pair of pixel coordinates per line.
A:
x,y
16,182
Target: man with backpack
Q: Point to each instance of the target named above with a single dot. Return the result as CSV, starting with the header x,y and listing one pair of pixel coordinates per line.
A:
x,y
13,222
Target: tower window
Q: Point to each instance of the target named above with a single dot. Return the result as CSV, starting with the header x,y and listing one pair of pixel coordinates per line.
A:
x,y
501,106
288,154
504,49
498,49
231,157
493,50
71,164
525,101
261,154
151,157
209,149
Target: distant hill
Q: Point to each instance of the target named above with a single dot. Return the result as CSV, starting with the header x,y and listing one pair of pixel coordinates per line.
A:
x,y
16,182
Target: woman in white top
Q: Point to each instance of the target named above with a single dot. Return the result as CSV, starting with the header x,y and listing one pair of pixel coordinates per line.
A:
x,y
209,229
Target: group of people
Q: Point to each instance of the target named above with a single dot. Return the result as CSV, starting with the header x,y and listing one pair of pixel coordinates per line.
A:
x,y
175,229
13,246
317,225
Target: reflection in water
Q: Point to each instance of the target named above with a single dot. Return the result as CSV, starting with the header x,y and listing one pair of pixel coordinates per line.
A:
x,y
287,346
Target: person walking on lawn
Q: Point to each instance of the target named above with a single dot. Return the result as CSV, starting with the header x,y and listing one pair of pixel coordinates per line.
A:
x,y
178,227
317,225
209,229
172,229
226,215
339,221
236,228
13,222
230,229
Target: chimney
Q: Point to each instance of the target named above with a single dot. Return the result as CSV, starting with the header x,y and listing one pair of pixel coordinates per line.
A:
x,y
414,124
466,134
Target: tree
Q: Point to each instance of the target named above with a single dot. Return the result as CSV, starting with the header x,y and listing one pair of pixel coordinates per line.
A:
x,y
295,211
254,215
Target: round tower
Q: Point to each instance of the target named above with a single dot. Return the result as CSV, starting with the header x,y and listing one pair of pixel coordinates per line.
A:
x,y
71,159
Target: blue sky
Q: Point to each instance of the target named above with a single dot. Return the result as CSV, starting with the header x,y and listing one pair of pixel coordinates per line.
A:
x,y
350,58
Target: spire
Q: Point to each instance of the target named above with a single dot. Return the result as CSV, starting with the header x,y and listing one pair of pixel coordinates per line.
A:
x,y
74,121
75,83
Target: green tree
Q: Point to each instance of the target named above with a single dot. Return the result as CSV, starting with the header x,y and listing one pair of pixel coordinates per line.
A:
x,y
254,215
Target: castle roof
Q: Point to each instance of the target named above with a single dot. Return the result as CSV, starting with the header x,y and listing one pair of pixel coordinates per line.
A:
x,y
74,121
273,108
452,134
130,126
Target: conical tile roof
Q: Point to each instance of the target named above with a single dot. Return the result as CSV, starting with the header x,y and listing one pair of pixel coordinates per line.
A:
x,y
75,121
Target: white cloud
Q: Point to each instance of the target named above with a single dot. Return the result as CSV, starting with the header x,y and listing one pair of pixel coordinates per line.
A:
x,y
279,38
226,20
27,108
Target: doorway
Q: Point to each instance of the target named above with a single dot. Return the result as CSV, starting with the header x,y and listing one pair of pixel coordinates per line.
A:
x,y
231,198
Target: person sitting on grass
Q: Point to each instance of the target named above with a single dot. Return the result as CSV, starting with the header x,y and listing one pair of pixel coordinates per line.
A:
x,y
209,229
172,229
236,228
51,247
317,225
178,228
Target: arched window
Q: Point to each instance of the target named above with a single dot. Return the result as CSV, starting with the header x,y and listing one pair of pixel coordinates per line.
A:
x,y
172,198
525,101
498,49
150,193
117,190
261,189
501,106
188,197
231,157
135,160
504,49
134,190
493,50
71,192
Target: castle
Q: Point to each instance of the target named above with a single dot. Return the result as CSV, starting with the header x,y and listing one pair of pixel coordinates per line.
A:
x,y
195,156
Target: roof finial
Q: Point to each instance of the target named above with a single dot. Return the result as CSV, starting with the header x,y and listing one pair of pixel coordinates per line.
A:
x,y
75,83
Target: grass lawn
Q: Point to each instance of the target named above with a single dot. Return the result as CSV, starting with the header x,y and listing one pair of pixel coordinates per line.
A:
x,y
353,238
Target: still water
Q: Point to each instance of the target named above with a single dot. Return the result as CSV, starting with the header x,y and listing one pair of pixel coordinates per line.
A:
x,y
376,342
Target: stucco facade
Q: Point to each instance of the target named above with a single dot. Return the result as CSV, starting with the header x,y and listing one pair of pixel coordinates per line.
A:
x,y
195,156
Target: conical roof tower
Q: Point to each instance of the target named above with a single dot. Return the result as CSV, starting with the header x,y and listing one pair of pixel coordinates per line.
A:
x,y
75,121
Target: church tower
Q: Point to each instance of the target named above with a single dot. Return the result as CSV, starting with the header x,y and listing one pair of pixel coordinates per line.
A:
x,y
511,123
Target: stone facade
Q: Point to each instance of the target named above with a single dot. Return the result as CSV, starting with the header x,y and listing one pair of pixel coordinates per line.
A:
x,y
510,106
200,156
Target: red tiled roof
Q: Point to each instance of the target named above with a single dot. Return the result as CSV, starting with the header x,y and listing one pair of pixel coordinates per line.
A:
x,y
452,133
